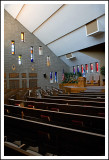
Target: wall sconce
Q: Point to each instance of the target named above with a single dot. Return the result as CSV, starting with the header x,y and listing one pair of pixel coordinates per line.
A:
x,y
44,75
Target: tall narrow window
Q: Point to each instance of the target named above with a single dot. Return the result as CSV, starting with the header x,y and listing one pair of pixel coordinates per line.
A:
x,y
82,69
91,67
13,47
40,50
74,69
48,61
22,36
96,66
86,68
19,60
77,68
32,56
56,77
51,77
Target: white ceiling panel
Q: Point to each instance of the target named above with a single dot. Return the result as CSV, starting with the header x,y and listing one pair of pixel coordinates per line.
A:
x,y
75,41
13,9
33,15
67,19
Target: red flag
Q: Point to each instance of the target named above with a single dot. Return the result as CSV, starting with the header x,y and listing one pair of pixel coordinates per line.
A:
x,y
63,77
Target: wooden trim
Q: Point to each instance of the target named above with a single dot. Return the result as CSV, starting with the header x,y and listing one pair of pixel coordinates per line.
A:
x,y
13,75
49,18
20,11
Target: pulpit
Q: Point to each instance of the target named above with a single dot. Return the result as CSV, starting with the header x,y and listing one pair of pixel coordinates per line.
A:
x,y
81,82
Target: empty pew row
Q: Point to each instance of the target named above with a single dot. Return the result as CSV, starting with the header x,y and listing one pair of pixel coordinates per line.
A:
x,y
79,109
67,101
76,98
66,141
17,143
78,121
91,95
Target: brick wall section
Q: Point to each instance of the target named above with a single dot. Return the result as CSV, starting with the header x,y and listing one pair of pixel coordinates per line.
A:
x,y
12,31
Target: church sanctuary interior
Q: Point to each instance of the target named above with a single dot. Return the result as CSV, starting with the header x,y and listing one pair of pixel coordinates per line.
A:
x,y
54,79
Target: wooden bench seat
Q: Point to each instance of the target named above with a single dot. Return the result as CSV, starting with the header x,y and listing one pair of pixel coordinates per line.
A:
x,y
82,142
84,95
67,101
85,122
87,110
76,98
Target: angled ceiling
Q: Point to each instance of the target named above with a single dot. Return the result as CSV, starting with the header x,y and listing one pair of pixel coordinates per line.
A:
x,y
56,25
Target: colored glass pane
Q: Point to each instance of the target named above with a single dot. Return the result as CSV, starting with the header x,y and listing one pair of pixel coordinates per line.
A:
x,y
12,47
22,36
91,67
74,69
86,68
56,77
77,68
96,66
82,69
32,57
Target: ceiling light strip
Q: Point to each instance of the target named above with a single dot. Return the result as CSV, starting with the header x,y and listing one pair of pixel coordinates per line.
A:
x,y
20,11
49,18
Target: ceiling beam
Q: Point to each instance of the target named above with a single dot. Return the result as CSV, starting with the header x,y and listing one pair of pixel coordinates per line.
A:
x,y
69,32
49,18
20,11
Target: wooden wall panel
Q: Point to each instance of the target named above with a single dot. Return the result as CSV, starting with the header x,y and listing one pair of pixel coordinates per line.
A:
x,y
13,75
24,83
23,75
5,84
4,75
13,84
32,75
32,83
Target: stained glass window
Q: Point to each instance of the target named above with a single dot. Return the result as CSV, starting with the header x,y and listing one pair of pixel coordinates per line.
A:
x,y
13,47
86,68
40,50
82,69
96,66
74,69
22,36
19,60
91,67
48,61
56,77
51,77
77,68
32,56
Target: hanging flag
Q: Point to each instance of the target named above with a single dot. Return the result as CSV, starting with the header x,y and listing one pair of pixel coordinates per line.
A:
x,y
63,77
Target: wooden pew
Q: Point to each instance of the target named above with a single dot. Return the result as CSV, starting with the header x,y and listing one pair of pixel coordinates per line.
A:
x,y
87,110
76,98
67,141
66,101
84,95
85,122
